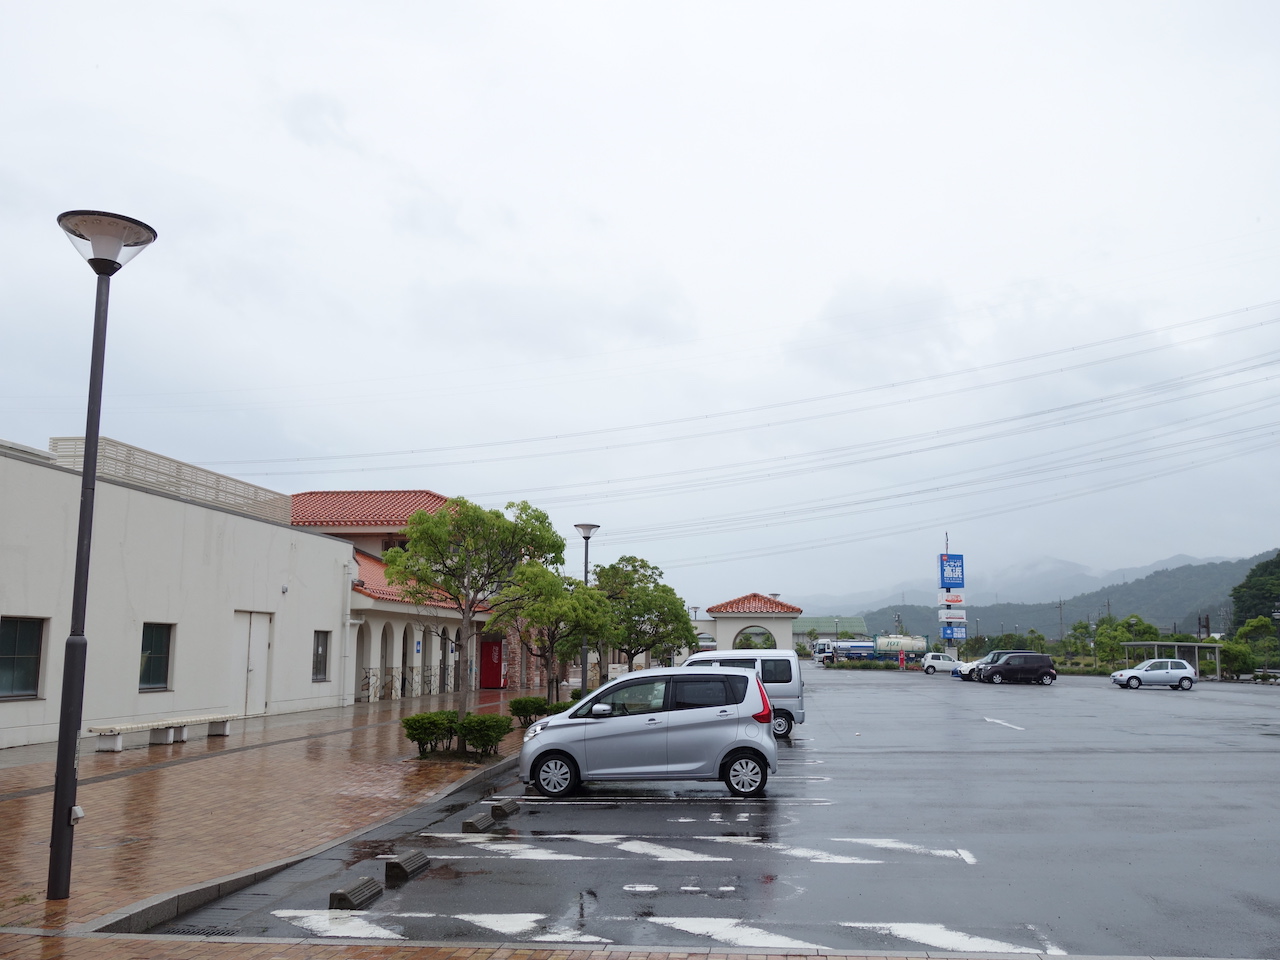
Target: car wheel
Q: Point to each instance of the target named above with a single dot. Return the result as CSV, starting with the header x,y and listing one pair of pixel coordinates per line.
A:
x,y
745,774
1133,683
1046,679
1185,683
555,775
929,669
966,676
997,678
782,725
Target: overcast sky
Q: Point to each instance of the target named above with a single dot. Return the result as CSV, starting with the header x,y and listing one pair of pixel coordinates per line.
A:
x,y
780,295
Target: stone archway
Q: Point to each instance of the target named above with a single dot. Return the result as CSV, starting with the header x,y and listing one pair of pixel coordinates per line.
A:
x,y
755,637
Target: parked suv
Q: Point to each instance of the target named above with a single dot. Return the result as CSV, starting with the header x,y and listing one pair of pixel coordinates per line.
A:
x,y
969,671
1019,668
933,662
669,723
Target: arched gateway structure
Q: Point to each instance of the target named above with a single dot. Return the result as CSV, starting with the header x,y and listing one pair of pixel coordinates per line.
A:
x,y
729,620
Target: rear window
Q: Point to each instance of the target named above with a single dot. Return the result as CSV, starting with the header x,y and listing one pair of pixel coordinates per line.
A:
x,y
775,671
707,692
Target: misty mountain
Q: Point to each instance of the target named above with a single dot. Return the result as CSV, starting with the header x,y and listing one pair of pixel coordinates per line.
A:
x,y
1165,597
1039,580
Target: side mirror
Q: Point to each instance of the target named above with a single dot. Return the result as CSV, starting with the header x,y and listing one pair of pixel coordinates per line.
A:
x,y
601,710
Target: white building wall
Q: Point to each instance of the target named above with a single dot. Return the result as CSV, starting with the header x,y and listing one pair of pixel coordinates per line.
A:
x,y
162,560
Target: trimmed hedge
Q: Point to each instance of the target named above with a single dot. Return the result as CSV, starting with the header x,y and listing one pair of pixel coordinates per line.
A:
x,y
484,731
528,709
432,731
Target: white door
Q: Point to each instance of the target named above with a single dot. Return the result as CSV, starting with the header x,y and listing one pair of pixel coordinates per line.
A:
x,y
254,633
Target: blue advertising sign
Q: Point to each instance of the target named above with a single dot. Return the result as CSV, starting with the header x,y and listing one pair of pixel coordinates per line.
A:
x,y
957,631
950,571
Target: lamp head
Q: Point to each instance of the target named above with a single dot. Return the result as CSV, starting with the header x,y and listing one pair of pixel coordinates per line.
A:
x,y
587,529
106,240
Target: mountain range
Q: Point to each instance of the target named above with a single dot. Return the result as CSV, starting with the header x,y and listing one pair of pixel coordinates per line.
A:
x,y
1169,593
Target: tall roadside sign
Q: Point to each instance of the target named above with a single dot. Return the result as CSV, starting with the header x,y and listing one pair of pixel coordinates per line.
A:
x,y
952,618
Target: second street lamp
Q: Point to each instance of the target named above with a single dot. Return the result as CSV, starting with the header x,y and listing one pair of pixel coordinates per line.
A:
x,y
586,529
107,241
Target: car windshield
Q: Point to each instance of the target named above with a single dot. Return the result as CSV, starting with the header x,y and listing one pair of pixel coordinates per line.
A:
x,y
1143,665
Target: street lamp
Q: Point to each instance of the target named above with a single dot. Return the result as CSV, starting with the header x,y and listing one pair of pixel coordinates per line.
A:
x,y
107,241
586,529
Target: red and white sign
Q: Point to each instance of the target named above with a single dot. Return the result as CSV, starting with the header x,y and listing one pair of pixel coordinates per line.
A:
x,y
952,598
952,616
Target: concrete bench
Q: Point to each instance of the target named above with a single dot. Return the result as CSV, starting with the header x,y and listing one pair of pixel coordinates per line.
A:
x,y
172,730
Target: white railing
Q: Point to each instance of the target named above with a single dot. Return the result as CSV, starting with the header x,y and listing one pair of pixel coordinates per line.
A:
x,y
120,461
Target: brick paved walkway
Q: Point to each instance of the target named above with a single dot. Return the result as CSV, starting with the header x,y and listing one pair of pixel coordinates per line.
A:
x,y
158,818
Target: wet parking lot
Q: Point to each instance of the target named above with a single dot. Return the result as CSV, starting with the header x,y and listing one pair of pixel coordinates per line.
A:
x,y
908,814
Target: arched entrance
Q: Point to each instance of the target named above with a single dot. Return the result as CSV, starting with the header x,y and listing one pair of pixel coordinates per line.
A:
x,y
363,681
754,638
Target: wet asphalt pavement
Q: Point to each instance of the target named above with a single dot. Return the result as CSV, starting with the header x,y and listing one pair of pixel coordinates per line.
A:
x,y
910,813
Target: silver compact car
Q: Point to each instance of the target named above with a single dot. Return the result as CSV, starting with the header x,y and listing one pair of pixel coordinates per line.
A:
x,y
669,723
1177,674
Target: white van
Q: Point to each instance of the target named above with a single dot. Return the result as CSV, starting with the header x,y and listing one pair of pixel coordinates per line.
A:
x,y
780,671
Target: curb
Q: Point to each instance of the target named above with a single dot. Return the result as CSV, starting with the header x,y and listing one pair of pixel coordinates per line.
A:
x,y
141,916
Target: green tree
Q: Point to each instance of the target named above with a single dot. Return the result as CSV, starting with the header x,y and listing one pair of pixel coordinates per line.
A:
x,y
1259,592
1260,634
649,617
1237,659
551,615
467,556
1107,642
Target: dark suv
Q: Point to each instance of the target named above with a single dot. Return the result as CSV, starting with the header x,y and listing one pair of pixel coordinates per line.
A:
x,y
1018,668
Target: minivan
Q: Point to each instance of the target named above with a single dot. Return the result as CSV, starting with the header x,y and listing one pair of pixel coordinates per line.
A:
x,y
780,671
669,723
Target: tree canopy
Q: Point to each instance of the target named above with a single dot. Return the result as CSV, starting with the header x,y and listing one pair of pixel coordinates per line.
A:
x,y
552,615
1258,593
649,617
468,555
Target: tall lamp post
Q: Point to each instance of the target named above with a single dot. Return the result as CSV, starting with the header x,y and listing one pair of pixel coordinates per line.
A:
x,y
108,241
586,529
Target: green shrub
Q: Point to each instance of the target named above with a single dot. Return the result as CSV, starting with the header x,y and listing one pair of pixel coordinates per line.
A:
x,y
803,651
528,709
575,693
864,665
484,731
431,731
561,707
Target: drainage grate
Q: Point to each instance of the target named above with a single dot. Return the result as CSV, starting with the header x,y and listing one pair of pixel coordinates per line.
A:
x,y
178,931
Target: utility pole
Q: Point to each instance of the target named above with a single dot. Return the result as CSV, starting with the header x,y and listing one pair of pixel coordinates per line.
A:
x,y
1061,629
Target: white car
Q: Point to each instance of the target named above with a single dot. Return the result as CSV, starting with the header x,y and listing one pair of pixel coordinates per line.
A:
x,y
1175,674
931,663
669,723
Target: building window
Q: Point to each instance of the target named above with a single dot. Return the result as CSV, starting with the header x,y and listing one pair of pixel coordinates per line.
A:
x,y
21,640
155,656
320,657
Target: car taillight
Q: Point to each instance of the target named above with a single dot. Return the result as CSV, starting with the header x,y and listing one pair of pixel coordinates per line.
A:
x,y
766,713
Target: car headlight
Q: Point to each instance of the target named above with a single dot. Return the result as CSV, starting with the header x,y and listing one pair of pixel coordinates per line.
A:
x,y
536,729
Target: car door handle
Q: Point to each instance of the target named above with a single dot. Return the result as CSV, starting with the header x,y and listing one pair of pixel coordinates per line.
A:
x,y
725,713
653,721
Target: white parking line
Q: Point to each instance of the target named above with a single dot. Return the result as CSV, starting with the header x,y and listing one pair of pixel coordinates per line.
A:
x,y
1003,724
953,941
337,923
733,932
887,844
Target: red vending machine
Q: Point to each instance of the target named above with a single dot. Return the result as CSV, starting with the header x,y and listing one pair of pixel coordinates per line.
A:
x,y
491,672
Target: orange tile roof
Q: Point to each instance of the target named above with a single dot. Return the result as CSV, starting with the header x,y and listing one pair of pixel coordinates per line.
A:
x,y
362,508
754,603
374,574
